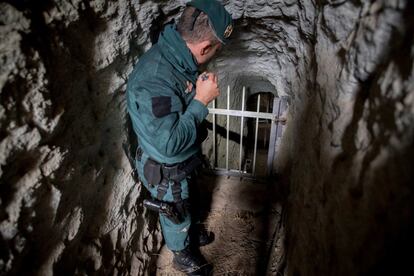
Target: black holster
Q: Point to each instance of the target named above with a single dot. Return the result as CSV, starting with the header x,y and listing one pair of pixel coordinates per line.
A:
x,y
164,176
167,209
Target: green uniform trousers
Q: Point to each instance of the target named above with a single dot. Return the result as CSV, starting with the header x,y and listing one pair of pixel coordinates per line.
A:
x,y
176,236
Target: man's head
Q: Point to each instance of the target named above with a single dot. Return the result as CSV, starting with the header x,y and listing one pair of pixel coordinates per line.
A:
x,y
205,25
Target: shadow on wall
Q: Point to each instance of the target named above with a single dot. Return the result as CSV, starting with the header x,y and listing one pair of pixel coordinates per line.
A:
x,y
353,214
84,214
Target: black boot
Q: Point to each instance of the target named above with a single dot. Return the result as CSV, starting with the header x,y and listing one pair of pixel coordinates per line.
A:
x,y
191,263
205,237
199,236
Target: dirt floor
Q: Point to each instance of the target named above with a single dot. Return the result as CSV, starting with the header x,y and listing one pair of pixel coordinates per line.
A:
x,y
243,215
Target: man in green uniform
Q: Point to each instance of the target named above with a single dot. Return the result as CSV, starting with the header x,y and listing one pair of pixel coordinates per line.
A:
x,y
167,99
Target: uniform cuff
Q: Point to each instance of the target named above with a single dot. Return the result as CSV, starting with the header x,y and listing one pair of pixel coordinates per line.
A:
x,y
198,109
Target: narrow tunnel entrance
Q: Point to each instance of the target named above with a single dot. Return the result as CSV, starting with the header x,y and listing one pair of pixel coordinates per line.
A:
x,y
263,134
245,128
238,202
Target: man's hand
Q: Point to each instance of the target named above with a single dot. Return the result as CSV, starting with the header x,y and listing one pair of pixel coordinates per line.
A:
x,y
207,88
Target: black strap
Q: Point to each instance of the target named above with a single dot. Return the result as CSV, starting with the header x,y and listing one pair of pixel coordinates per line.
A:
x,y
176,173
162,189
138,154
179,172
176,191
191,165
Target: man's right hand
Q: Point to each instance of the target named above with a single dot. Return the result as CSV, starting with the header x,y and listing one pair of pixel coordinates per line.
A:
x,y
207,90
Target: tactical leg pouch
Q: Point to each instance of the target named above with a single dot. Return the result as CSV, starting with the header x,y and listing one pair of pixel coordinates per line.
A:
x,y
183,207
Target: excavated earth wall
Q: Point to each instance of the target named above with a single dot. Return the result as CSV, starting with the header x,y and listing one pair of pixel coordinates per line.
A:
x,y
69,204
349,148
68,201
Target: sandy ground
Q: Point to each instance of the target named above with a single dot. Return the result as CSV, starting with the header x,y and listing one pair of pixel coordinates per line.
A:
x,y
243,215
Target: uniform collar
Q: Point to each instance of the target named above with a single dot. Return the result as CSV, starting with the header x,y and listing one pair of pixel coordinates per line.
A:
x,y
175,50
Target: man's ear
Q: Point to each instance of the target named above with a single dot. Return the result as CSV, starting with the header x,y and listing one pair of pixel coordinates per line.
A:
x,y
205,47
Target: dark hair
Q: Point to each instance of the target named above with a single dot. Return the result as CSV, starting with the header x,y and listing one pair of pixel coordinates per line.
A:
x,y
201,31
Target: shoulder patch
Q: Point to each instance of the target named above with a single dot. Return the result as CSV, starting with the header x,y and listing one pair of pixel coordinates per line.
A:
x,y
161,106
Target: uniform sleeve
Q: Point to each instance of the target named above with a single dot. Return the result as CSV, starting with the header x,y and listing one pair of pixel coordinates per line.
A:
x,y
172,128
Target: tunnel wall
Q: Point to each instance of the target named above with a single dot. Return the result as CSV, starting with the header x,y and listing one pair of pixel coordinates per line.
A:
x,y
347,153
69,204
348,149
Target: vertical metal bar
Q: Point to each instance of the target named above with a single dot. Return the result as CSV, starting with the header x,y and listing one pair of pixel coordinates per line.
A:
x,y
214,136
273,136
228,127
255,136
241,131
265,129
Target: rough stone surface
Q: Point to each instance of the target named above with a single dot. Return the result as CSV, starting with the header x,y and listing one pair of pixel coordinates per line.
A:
x,y
68,202
347,152
348,149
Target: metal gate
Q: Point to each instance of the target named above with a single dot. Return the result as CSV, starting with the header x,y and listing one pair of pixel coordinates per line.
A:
x,y
277,126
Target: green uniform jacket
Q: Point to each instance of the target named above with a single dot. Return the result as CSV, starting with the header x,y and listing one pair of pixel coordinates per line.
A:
x,y
164,114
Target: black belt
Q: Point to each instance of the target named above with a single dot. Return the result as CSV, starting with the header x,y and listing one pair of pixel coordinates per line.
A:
x,y
178,172
161,174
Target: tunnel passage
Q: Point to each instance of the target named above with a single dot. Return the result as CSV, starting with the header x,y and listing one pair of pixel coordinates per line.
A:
x,y
245,127
260,147
240,200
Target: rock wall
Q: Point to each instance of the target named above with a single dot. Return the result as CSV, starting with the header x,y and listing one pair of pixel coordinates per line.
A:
x,y
347,153
68,202
349,144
